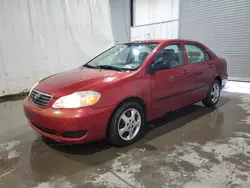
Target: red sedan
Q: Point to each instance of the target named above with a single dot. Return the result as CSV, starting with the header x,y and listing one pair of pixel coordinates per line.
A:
x,y
113,95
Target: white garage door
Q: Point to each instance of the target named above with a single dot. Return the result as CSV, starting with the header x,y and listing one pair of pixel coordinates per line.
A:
x,y
224,26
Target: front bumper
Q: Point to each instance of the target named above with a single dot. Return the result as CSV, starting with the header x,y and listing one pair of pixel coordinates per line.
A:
x,y
69,125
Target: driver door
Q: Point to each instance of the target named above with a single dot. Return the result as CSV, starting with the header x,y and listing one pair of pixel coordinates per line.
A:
x,y
169,81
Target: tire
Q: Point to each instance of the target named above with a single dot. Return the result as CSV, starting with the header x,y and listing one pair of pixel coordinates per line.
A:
x,y
213,95
125,128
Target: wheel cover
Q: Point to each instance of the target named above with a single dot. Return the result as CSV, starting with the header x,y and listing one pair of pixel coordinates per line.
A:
x,y
129,124
215,93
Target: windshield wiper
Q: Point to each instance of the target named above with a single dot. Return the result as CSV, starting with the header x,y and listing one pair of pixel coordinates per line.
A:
x,y
90,66
109,67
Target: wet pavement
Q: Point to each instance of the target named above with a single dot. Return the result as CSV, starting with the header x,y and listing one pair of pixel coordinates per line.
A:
x,y
195,147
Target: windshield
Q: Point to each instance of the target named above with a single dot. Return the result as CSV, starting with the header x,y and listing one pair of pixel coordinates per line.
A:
x,y
123,57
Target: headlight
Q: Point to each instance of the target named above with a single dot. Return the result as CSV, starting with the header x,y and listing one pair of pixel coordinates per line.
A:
x,y
77,100
33,88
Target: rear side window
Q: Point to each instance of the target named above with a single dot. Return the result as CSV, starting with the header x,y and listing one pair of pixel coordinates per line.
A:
x,y
196,54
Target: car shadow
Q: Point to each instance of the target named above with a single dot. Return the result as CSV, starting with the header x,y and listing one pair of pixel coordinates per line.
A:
x,y
97,153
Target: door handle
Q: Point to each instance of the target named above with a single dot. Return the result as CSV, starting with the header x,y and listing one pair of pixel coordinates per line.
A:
x,y
210,65
184,71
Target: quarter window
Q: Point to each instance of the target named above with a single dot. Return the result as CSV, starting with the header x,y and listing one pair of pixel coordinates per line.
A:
x,y
195,54
171,54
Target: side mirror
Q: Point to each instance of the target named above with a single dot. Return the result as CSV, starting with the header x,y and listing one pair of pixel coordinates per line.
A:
x,y
152,68
160,65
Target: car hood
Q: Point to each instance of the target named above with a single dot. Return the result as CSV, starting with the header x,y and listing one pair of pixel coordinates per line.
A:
x,y
77,79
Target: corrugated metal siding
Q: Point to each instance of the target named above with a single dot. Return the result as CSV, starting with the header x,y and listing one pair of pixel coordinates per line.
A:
x,y
224,26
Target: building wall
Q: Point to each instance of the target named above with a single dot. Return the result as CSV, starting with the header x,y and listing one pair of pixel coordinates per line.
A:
x,y
224,27
155,19
120,18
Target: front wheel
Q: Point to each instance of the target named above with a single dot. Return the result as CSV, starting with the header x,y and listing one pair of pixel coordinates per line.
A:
x,y
213,95
126,124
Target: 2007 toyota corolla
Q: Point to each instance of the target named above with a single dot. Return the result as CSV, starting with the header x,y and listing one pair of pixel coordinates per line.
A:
x,y
113,95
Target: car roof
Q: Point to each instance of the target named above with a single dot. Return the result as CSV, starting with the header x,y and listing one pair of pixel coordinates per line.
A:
x,y
161,41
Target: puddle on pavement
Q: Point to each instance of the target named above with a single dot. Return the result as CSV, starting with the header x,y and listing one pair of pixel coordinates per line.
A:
x,y
8,153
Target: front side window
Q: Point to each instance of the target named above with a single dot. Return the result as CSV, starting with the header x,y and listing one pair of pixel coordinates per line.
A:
x,y
195,54
171,56
123,57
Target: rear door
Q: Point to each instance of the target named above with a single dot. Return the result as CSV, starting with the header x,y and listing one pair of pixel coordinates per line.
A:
x,y
200,70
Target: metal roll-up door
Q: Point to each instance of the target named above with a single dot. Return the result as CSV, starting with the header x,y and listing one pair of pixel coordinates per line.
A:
x,y
224,26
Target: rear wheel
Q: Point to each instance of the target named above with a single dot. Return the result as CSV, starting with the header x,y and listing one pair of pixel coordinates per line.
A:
x,y
213,95
126,124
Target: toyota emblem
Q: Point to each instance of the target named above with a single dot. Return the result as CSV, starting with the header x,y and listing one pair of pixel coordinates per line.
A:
x,y
37,96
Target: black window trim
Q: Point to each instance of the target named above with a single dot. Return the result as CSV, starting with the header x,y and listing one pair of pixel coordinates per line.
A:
x,y
132,13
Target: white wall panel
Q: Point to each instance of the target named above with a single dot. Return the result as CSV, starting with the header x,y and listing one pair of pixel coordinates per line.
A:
x,y
42,37
141,12
155,19
154,11
163,30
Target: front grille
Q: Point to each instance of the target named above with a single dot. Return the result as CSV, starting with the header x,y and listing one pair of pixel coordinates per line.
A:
x,y
39,98
46,130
